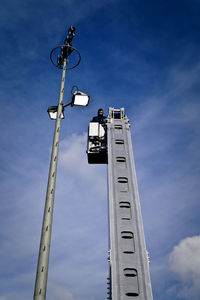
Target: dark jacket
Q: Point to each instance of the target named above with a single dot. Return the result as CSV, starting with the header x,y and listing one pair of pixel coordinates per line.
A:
x,y
99,119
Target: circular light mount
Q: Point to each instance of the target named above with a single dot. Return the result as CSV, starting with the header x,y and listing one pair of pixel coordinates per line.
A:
x,y
59,66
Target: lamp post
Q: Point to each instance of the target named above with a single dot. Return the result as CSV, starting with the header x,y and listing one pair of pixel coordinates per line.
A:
x,y
43,258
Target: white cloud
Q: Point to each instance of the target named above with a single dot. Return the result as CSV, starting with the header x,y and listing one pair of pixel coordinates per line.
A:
x,y
79,239
73,157
76,223
57,292
54,291
73,152
184,262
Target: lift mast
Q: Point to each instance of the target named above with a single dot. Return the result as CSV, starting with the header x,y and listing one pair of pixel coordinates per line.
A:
x,y
129,265
130,277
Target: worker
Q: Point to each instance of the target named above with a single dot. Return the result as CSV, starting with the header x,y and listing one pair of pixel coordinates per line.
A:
x,y
100,117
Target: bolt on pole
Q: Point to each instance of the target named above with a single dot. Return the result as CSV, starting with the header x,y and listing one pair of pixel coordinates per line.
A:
x,y
43,259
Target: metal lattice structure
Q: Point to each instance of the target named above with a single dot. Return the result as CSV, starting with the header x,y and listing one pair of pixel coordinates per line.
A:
x,y
129,264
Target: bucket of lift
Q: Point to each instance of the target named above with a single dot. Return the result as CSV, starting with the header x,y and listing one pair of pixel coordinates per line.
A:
x,y
97,144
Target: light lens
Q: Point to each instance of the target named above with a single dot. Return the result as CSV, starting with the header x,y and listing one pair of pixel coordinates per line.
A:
x,y
53,115
80,99
52,111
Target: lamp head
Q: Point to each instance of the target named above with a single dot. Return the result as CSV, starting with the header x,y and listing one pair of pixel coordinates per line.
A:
x,y
53,111
80,99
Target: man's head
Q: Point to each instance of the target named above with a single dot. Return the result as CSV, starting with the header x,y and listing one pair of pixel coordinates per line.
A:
x,y
100,112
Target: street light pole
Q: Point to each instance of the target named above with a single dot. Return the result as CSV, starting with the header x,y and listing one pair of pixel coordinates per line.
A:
x,y
43,259
81,99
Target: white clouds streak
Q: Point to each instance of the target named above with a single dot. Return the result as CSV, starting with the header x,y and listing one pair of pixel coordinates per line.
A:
x,y
79,237
58,293
74,158
184,262
80,222
166,146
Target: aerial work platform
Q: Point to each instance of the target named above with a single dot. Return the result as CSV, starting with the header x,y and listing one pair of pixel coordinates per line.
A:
x,y
129,265
97,144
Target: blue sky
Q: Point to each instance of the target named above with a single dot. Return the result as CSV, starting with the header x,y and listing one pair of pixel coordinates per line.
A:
x,y
141,55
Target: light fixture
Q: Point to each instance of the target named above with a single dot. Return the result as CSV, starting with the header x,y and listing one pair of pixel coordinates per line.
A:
x,y
52,111
80,98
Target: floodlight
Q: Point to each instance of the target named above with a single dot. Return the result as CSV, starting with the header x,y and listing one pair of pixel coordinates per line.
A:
x,y
53,110
80,98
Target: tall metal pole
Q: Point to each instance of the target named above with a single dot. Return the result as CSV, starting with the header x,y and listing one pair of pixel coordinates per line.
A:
x,y
43,259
